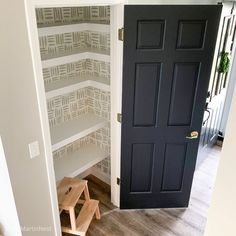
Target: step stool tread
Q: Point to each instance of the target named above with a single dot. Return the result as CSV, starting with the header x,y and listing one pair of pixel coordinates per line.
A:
x,y
86,215
69,192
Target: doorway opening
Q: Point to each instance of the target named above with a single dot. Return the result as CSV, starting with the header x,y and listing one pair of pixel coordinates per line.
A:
x,y
77,48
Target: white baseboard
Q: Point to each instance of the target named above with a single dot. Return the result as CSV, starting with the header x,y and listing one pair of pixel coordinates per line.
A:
x,y
100,176
85,173
96,173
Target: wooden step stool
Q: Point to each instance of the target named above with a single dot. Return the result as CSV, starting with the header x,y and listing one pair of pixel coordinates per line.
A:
x,y
69,192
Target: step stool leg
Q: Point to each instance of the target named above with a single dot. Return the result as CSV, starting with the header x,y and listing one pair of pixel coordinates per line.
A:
x,y
97,214
86,193
72,218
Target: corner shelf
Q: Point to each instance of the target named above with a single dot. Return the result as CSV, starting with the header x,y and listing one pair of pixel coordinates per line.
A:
x,y
73,130
62,29
62,59
69,85
77,162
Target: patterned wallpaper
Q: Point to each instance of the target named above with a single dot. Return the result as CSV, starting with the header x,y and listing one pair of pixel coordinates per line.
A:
x,y
67,107
67,43
92,100
71,106
64,44
98,102
82,68
100,138
72,147
100,69
67,15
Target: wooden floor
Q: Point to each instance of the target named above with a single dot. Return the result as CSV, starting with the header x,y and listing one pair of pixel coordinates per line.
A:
x,y
164,222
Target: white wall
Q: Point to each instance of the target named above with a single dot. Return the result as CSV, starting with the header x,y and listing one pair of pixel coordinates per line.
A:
x,y
9,223
20,123
222,213
171,1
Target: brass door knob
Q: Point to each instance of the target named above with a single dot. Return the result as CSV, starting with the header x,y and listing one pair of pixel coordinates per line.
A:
x,y
193,135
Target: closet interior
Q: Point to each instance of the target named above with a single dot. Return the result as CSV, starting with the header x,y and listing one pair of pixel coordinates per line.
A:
x,y
75,54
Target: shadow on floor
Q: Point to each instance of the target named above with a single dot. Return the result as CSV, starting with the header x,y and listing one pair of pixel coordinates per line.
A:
x,y
161,222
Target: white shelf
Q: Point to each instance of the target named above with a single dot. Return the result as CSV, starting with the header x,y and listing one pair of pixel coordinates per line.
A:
x,y
77,162
62,29
77,56
73,130
69,85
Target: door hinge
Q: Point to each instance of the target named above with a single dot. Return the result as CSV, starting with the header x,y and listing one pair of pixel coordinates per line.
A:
x,y
119,117
121,34
118,181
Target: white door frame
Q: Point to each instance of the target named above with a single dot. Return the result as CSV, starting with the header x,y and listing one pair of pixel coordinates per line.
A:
x,y
117,21
116,91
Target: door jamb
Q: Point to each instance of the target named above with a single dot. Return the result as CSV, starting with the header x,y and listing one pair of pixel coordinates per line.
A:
x,y
117,21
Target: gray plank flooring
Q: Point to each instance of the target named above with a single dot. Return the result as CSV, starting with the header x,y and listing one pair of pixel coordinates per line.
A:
x,y
164,222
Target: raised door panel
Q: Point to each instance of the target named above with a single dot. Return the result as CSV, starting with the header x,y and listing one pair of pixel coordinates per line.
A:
x,y
146,28
184,86
146,90
174,163
142,167
191,34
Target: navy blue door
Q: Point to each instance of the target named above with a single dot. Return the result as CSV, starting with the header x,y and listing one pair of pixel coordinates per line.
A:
x,y
168,52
